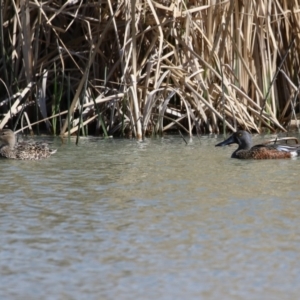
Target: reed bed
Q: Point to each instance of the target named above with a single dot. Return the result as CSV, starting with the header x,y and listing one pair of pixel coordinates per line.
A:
x,y
74,67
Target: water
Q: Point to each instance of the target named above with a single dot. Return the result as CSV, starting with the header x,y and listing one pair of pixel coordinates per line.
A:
x,y
119,219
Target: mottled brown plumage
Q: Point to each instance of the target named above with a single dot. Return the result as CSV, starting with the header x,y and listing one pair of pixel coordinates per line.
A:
x,y
24,150
245,151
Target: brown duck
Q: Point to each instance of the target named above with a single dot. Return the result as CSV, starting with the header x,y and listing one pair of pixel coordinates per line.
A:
x,y
30,150
270,151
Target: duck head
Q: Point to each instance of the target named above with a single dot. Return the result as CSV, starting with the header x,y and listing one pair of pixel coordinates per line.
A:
x,y
241,137
7,138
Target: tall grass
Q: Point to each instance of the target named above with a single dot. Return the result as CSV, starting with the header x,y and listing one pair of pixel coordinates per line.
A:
x,y
198,66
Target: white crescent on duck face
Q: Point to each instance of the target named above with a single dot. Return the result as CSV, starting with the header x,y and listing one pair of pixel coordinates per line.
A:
x,y
30,150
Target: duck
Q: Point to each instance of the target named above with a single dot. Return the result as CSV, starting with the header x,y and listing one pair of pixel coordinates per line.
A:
x,y
30,150
245,149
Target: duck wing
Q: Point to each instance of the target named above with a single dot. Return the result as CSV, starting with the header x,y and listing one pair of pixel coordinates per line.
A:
x,y
275,151
31,150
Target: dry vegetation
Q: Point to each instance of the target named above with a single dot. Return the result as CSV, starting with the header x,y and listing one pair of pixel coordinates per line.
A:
x,y
199,66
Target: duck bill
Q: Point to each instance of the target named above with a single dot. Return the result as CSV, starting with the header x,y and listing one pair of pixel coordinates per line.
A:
x,y
228,141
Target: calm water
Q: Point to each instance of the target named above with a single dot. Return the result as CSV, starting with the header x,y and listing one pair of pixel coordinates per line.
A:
x,y
119,219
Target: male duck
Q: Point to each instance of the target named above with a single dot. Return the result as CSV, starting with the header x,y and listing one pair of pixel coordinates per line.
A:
x,y
270,151
24,150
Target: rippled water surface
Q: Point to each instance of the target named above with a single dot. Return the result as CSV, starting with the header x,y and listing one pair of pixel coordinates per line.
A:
x,y
119,219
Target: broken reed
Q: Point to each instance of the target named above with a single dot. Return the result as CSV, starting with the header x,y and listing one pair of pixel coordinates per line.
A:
x,y
165,65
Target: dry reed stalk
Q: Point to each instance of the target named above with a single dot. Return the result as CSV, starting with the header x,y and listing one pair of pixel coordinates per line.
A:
x,y
161,65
